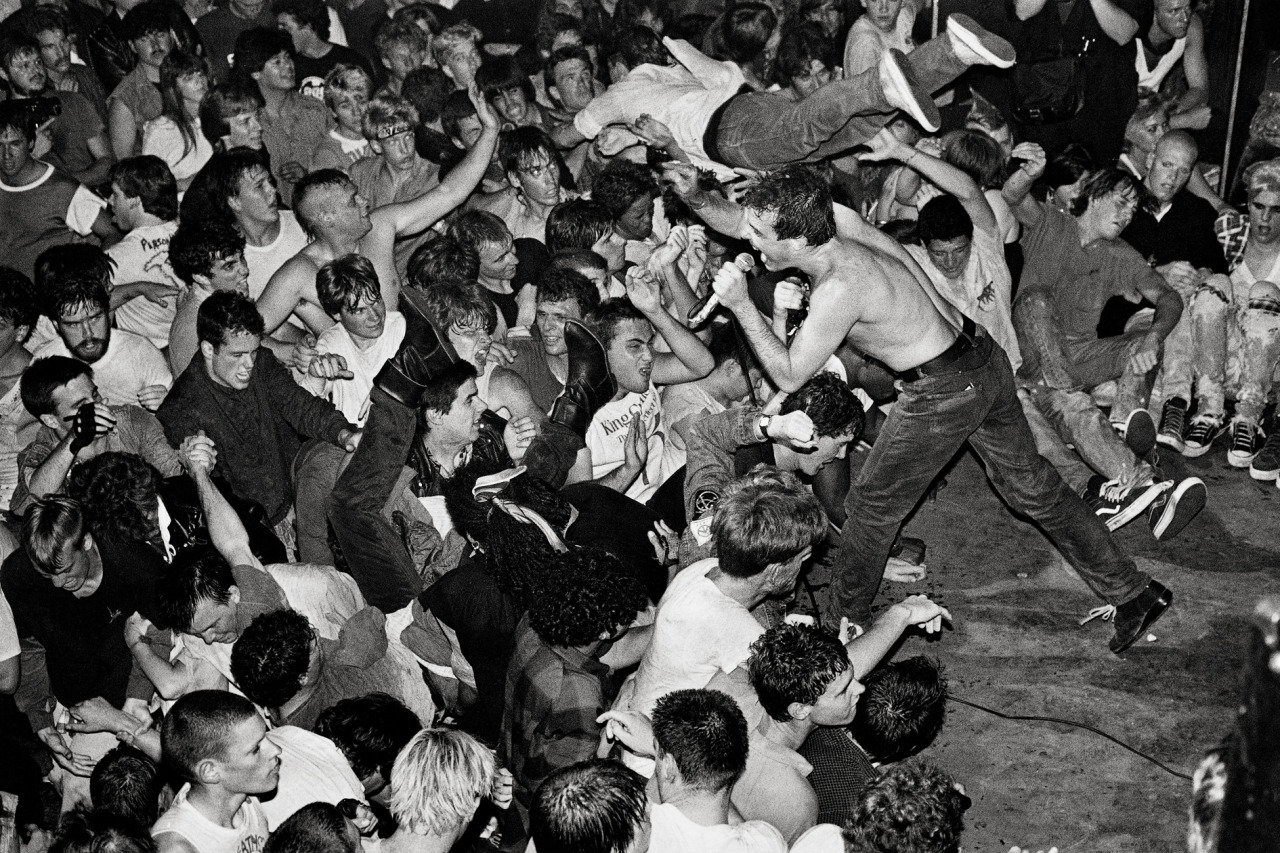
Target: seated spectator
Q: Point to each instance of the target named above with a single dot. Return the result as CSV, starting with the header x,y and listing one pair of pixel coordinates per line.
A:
x,y
626,441
595,806
176,136
294,440
283,666
371,731
79,137
509,89
403,47
899,714
557,684
490,238
40,206
18,427
457,53
394,171
129,370
533,169
346,94
127,784
315,828
144,288
315,55
352,351
217,744
437,783
1074,263
293,125
136,100
75,427
208,257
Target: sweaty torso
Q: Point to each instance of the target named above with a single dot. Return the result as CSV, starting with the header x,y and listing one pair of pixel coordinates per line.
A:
x,y
897,318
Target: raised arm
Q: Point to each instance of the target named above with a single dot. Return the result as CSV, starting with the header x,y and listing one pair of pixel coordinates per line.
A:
x,y
886,146
689,358
718,212
226,531
411,217
1118,24
1017,189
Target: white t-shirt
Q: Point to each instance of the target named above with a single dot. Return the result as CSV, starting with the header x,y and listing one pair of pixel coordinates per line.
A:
x,y
607,436
986,269
698,632
143,255
161,137
312,770
675,833
823,838
248,832
9,644
351,396
679,402
130,364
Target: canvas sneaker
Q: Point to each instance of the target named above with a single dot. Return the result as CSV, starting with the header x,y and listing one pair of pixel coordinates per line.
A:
x,y
1173,424
1246,441
1201,434
1117,506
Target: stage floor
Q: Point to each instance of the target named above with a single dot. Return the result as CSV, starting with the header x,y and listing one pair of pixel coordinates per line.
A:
x,y
1017,646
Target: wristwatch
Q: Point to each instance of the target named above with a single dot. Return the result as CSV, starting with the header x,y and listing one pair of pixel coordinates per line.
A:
x,y
763,426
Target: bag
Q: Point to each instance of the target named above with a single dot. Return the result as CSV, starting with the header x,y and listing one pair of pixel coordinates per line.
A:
x,y
1048,90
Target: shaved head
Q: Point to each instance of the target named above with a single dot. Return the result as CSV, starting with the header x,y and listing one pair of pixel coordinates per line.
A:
x,y
1171,163
1180,140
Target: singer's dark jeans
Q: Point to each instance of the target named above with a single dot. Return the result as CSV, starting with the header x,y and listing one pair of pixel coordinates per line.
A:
x,y
934,416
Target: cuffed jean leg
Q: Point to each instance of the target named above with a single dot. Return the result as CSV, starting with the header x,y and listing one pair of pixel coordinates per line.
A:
x,y
1259,350
1031,486
1210,314
1177,365
1049,443
374,554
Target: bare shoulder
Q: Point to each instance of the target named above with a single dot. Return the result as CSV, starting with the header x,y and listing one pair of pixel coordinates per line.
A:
x,y
171,842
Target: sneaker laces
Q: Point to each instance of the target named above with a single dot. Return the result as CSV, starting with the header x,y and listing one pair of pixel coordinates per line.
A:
x,y
1113,491
1244,434
1204,423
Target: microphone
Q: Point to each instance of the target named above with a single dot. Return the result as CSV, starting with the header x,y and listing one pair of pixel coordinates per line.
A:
x,y
707,307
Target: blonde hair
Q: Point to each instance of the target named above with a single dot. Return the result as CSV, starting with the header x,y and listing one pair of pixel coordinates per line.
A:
x,y
438,779
452,38
1263,176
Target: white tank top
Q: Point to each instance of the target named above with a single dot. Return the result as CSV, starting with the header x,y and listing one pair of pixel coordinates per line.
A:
x,y
1151,78
247,835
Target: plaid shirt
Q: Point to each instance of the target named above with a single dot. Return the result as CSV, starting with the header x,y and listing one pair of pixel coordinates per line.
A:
x,y
1232,230
554,695
841,772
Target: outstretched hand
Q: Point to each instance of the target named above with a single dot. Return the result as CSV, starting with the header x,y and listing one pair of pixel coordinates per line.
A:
x,y
484,111
920,610
1033,158
630,728
681,177
643,290
884,146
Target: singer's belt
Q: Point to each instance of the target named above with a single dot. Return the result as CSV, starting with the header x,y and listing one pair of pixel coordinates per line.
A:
x,y
713,126
964,343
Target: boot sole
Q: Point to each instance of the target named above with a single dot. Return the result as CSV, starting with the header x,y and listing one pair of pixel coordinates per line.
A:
x,y
995,50
1184,504
920,105
1140,432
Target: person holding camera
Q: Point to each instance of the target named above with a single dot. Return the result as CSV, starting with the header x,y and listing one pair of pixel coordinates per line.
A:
x,y
75,426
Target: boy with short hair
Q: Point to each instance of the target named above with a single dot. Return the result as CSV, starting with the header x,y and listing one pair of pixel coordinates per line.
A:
x,y
492,240
346,94
217,743
208,257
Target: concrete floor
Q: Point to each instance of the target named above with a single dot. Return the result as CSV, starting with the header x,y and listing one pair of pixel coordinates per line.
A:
x,y
1017,646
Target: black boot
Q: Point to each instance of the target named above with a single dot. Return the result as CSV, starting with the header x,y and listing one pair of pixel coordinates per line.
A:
x,y
589,384
423,354
1135,616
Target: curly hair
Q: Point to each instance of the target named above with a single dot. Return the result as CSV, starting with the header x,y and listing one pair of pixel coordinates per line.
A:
x,y
120,489
589,594
370,730
800,201
794,663
832,406
272,657
913,808
621,184
901,710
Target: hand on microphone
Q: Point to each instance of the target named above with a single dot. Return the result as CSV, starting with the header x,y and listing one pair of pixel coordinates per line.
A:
x,y
729,289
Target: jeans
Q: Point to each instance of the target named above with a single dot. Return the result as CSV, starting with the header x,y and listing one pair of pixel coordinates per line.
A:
x,y
358,508
1057,417
934,416
765,130
1077,364
1236,332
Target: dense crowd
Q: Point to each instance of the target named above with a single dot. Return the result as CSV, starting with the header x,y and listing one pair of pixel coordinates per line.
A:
x,y
416,419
